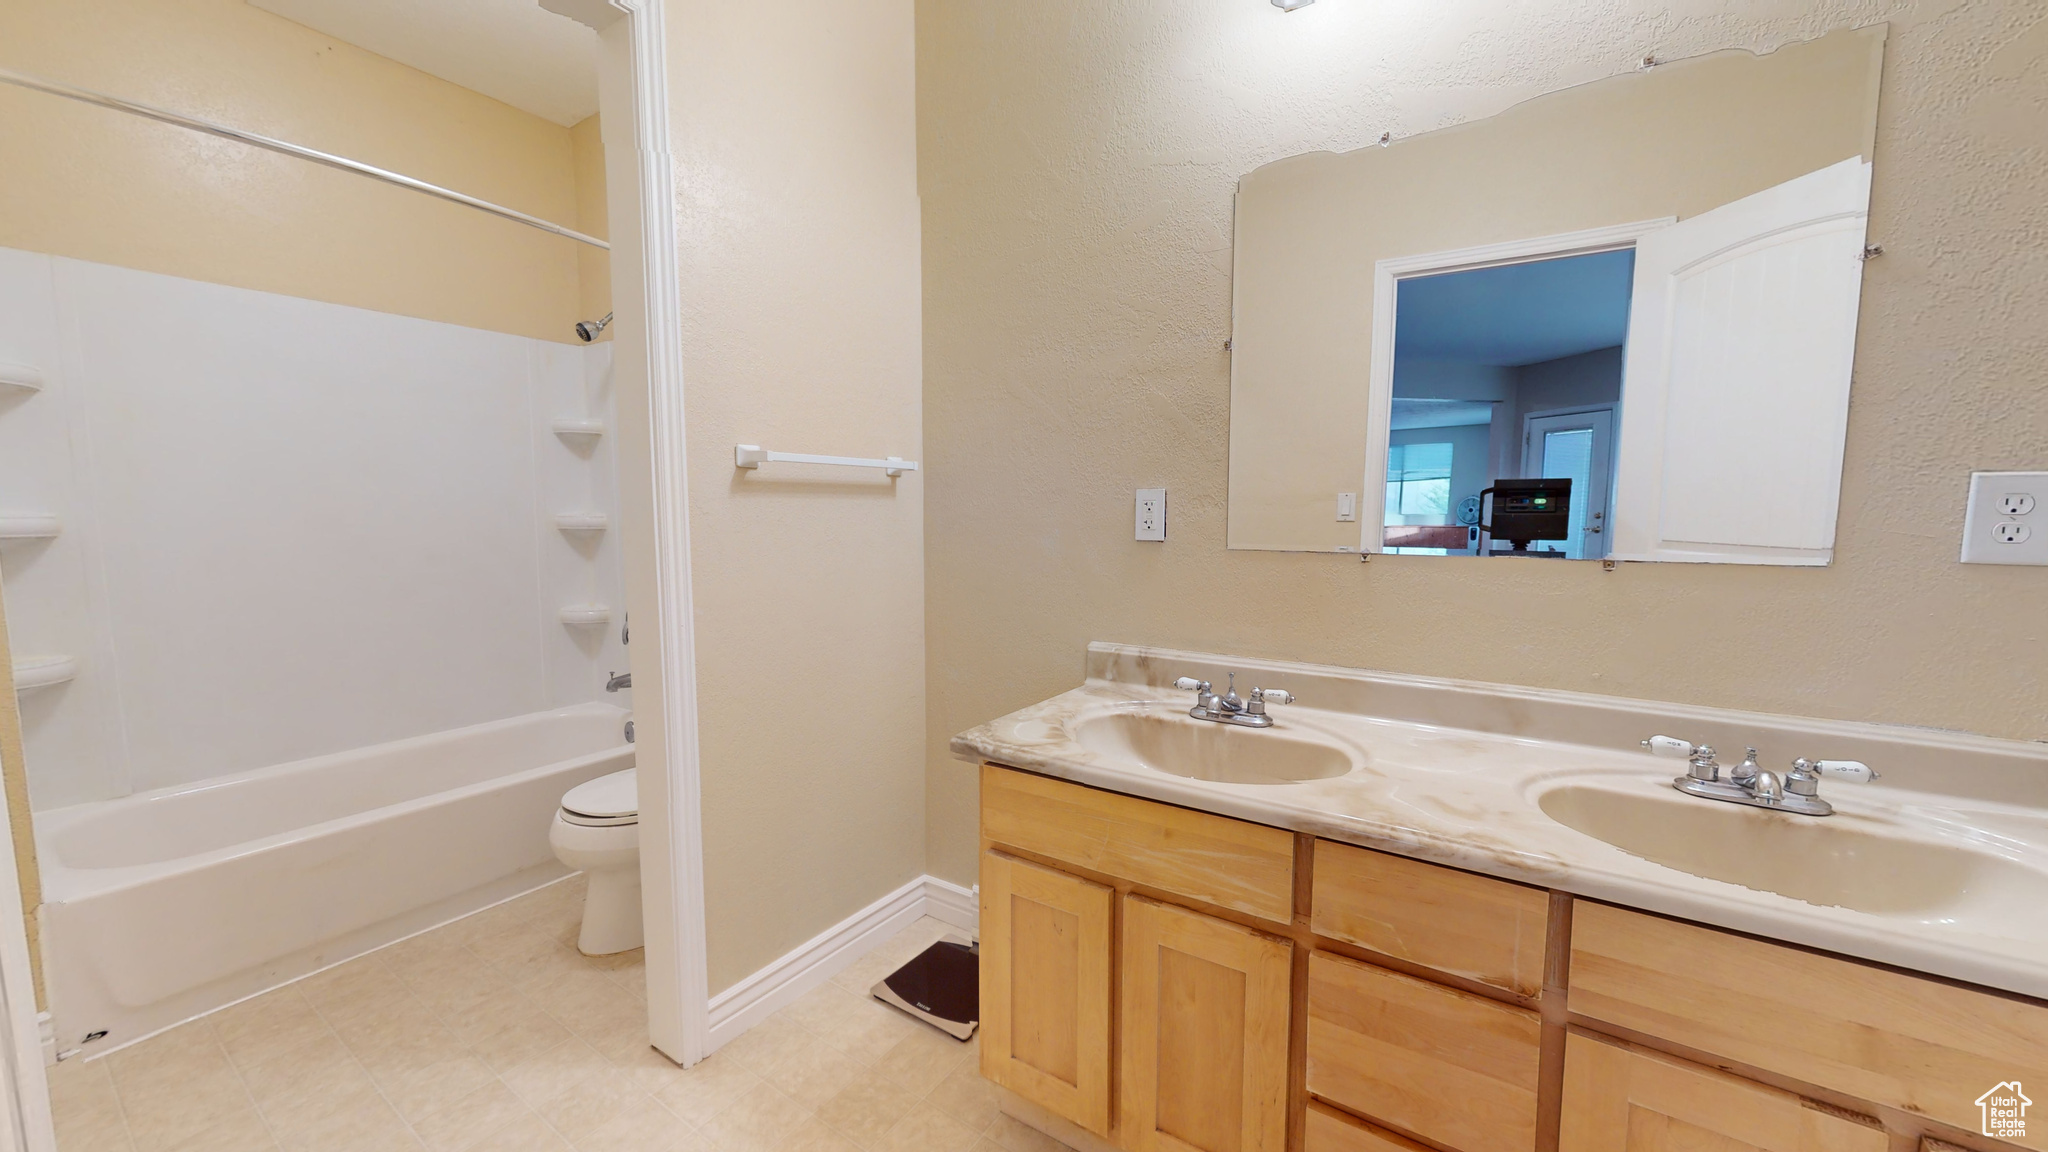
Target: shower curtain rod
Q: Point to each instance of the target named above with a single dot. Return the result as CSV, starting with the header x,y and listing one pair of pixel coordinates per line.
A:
x,y
163,115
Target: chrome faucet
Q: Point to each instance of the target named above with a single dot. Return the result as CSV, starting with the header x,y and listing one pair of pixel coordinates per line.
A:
x,y
1797,791
1230,708
619,680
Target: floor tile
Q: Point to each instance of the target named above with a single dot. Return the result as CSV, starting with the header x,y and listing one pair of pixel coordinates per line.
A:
x,y
466,1121
703,1091
866,1110
758,1121
529,1135
966,1097
1013,1135
923,1059
643,1127
266,1027
926,1129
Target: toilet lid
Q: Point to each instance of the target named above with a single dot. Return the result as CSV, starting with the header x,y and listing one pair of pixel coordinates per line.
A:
x,y
605,798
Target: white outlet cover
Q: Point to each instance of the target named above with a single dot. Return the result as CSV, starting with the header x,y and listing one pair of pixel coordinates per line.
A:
x,y
2006,522
1151,514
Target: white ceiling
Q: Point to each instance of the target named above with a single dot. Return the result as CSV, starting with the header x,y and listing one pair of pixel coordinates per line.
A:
x,y
510,50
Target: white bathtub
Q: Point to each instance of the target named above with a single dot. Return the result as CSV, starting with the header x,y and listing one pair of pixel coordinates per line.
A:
x,y
164,905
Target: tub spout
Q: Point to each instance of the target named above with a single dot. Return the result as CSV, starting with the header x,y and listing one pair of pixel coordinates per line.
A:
x,y
619,680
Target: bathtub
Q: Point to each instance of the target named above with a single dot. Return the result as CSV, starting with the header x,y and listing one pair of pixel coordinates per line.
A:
x,y
165,905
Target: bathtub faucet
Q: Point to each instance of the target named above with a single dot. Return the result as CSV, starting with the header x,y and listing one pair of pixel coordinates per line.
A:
x,y
619,680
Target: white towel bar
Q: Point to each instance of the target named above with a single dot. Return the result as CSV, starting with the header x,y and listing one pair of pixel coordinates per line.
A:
x,y
753,456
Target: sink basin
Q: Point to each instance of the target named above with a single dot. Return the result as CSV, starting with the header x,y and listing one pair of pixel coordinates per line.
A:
x,y
1830,860
1173,743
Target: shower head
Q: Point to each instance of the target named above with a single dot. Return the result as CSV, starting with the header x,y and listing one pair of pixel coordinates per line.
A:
x,y
587,330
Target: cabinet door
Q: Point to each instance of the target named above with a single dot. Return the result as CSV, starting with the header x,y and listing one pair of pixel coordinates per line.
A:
x,y
1204,1050
1045,956
1619,1099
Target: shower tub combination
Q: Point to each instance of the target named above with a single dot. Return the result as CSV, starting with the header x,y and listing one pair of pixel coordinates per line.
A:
x,y
165,905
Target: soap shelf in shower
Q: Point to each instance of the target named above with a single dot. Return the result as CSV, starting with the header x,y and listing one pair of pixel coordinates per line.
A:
x,y
582,521
20,378
578,426
587,615
28,526
43,671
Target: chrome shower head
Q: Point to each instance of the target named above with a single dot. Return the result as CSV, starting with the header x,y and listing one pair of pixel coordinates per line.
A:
x,y
587,330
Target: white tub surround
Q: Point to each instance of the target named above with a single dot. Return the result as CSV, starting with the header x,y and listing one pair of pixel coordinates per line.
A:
x,y
168,904
1454,771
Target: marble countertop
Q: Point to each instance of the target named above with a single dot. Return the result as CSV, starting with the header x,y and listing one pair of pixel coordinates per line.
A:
x,y
1470,797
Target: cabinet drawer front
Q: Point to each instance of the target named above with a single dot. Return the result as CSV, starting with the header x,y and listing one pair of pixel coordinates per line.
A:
x,y
1204,1045
1472,926
1619,1099
1228,863
1877,1035
1329,1130
1045,994
1445,1065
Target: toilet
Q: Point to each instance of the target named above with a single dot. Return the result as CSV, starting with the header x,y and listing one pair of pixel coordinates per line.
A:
x,y
597,832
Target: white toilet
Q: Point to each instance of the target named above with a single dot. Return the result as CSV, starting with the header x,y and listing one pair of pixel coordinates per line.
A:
x,y
597,832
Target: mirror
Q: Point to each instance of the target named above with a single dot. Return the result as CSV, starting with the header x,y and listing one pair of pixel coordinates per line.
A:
x,y
1612,322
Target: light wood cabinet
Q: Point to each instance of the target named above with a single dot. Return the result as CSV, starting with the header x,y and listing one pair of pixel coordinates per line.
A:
x,y
1896,1040
1624,1099
1205,1022
1445,1065
1477,927
1139,979
1045,987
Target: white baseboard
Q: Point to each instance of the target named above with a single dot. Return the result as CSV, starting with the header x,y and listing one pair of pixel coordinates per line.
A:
x,y
832,951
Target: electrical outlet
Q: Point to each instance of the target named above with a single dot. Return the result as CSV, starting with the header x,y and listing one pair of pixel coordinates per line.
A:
x,y
1151,513
2004,524
1347,507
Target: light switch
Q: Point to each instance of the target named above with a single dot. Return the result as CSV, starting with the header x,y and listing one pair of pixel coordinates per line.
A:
x,y
1151,513
1347,507
2007,518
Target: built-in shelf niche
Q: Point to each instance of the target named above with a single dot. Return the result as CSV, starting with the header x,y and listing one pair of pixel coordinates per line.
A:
x,y
43,671
579,427
28,526
20,378
582,521
587,615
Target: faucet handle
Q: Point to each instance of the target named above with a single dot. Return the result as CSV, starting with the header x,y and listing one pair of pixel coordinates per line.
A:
x,y
1854,771
1273,695
1669,747
1190,684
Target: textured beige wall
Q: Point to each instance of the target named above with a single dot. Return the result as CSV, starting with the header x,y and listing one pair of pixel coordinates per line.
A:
x,y
100,185
796,161
1677,140
1077,161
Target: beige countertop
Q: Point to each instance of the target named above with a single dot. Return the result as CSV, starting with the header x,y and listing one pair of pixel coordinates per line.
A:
x,y
1457,773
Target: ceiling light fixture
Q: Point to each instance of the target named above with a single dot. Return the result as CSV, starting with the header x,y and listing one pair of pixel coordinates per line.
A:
x,y
1291,5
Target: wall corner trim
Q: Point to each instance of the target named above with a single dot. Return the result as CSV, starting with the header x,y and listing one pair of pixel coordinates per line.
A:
x,y
832,951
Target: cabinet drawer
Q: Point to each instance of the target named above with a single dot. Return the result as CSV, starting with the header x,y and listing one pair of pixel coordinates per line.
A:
x,y
1896,1040
1225,862
1453,1068
1619,1099
1472,926
1329,1130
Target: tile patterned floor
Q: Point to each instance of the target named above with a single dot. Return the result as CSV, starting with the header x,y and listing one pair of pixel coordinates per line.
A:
x,y
494,1033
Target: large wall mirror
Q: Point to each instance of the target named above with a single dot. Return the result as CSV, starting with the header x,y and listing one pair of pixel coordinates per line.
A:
x,y
1613,322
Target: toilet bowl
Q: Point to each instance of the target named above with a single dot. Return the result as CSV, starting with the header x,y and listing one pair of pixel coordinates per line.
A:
x,y
597,832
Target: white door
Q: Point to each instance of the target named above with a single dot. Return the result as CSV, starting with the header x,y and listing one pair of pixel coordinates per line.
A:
x,y
1735,390
1575,446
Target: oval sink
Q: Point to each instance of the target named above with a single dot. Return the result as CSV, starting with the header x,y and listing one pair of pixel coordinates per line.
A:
x,y
1204,750
1826,860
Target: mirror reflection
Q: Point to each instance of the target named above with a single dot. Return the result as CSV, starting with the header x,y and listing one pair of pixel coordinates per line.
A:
x,y
1614,322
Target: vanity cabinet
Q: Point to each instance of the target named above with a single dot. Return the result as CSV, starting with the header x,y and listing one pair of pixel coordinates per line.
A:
x,y
1168,980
